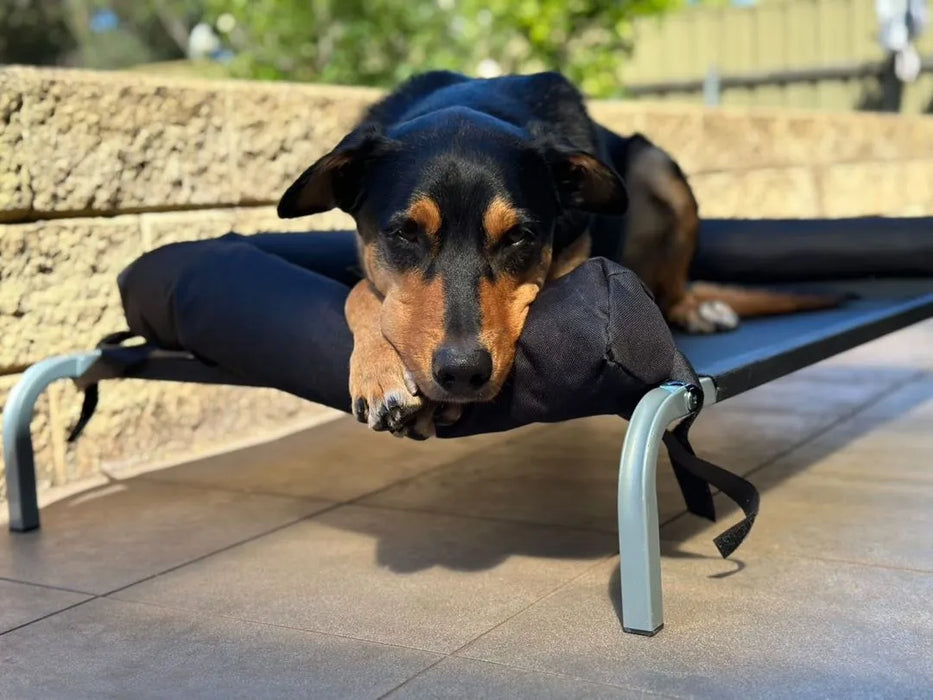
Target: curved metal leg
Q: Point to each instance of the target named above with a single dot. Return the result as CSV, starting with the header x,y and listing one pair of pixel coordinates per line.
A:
x,y
639,544
18,457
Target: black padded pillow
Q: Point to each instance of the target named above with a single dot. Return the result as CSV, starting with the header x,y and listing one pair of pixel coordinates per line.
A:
x,y
269,309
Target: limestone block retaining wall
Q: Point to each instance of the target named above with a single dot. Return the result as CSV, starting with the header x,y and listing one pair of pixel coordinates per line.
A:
x,y
96,168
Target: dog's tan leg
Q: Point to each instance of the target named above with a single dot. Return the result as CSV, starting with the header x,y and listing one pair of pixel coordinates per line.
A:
x,y
661,237
382,393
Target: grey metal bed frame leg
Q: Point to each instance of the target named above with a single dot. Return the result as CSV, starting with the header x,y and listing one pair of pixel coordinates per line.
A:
x,y
639,543
18,456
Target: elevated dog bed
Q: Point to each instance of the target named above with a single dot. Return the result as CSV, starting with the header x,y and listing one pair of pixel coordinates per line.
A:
x,y
267,310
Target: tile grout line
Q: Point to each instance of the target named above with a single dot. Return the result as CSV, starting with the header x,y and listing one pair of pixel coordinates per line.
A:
x,y
874,399
855,562
332,506
51,614
107,594
431,470
48,586
463,646
265,623
564,676
225,548
196,486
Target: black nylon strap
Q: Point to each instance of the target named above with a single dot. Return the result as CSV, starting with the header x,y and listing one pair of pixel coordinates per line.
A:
x,y
734,486
696,491
695,475
113,354
88,406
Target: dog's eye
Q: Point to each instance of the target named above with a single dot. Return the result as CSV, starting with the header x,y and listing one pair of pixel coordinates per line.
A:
x,y
517,235
406,231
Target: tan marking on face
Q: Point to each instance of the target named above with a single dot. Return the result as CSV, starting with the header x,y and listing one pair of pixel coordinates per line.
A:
x,y
375,271
499,219
571,257
425,212
504,307
413,322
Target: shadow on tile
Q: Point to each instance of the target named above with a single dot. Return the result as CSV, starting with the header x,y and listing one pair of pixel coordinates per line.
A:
x,y
456,677
567,474
405,550
21,603
339,461
426,581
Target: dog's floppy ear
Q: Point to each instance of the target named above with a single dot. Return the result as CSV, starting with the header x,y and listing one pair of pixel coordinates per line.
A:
x,y
336,179
583,181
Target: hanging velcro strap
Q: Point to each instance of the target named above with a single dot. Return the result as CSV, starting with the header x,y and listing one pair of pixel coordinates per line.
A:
x,y
695,475
88,406
115,358
732,485
695,489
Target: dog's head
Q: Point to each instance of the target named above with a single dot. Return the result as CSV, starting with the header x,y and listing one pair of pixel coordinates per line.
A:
x,y
456,214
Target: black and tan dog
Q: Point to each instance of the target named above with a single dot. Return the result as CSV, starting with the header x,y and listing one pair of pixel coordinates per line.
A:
x,y
469,196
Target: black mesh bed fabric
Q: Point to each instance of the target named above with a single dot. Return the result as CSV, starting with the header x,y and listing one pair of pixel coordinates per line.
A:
x,y
763,349
884,264
267,310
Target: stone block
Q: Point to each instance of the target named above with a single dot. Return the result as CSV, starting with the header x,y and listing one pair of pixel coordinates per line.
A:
x,y
158,423
110,142
281,129
736,140
677,129
766,193
258,219
162,228
15,181
58,289
621,116
894,188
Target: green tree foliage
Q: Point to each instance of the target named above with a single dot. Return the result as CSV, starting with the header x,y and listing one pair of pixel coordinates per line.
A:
x,y
380,42
362,42
60,32
34,32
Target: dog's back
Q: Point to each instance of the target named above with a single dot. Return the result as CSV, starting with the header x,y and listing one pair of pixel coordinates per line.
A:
x,y
545,103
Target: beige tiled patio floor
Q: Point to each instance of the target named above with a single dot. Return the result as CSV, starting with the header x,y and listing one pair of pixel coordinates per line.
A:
x,y
338,563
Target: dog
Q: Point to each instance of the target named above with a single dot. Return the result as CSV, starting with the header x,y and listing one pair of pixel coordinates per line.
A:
x,y
471,194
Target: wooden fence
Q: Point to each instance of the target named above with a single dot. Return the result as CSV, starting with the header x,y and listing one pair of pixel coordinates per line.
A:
x,y
789,53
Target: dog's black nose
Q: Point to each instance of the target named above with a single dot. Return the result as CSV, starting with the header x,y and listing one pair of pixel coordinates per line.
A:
x,y
462,369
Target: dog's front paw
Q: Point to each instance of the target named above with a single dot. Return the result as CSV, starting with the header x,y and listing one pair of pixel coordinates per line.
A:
x,y
384,396
700,317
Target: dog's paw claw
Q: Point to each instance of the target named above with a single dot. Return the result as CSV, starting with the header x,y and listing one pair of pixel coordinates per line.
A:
x,y
704,317
386,397
410,383
400,416
719,315
361,410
